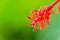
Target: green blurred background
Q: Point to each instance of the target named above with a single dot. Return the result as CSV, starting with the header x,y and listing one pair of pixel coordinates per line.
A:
x,y
15,26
